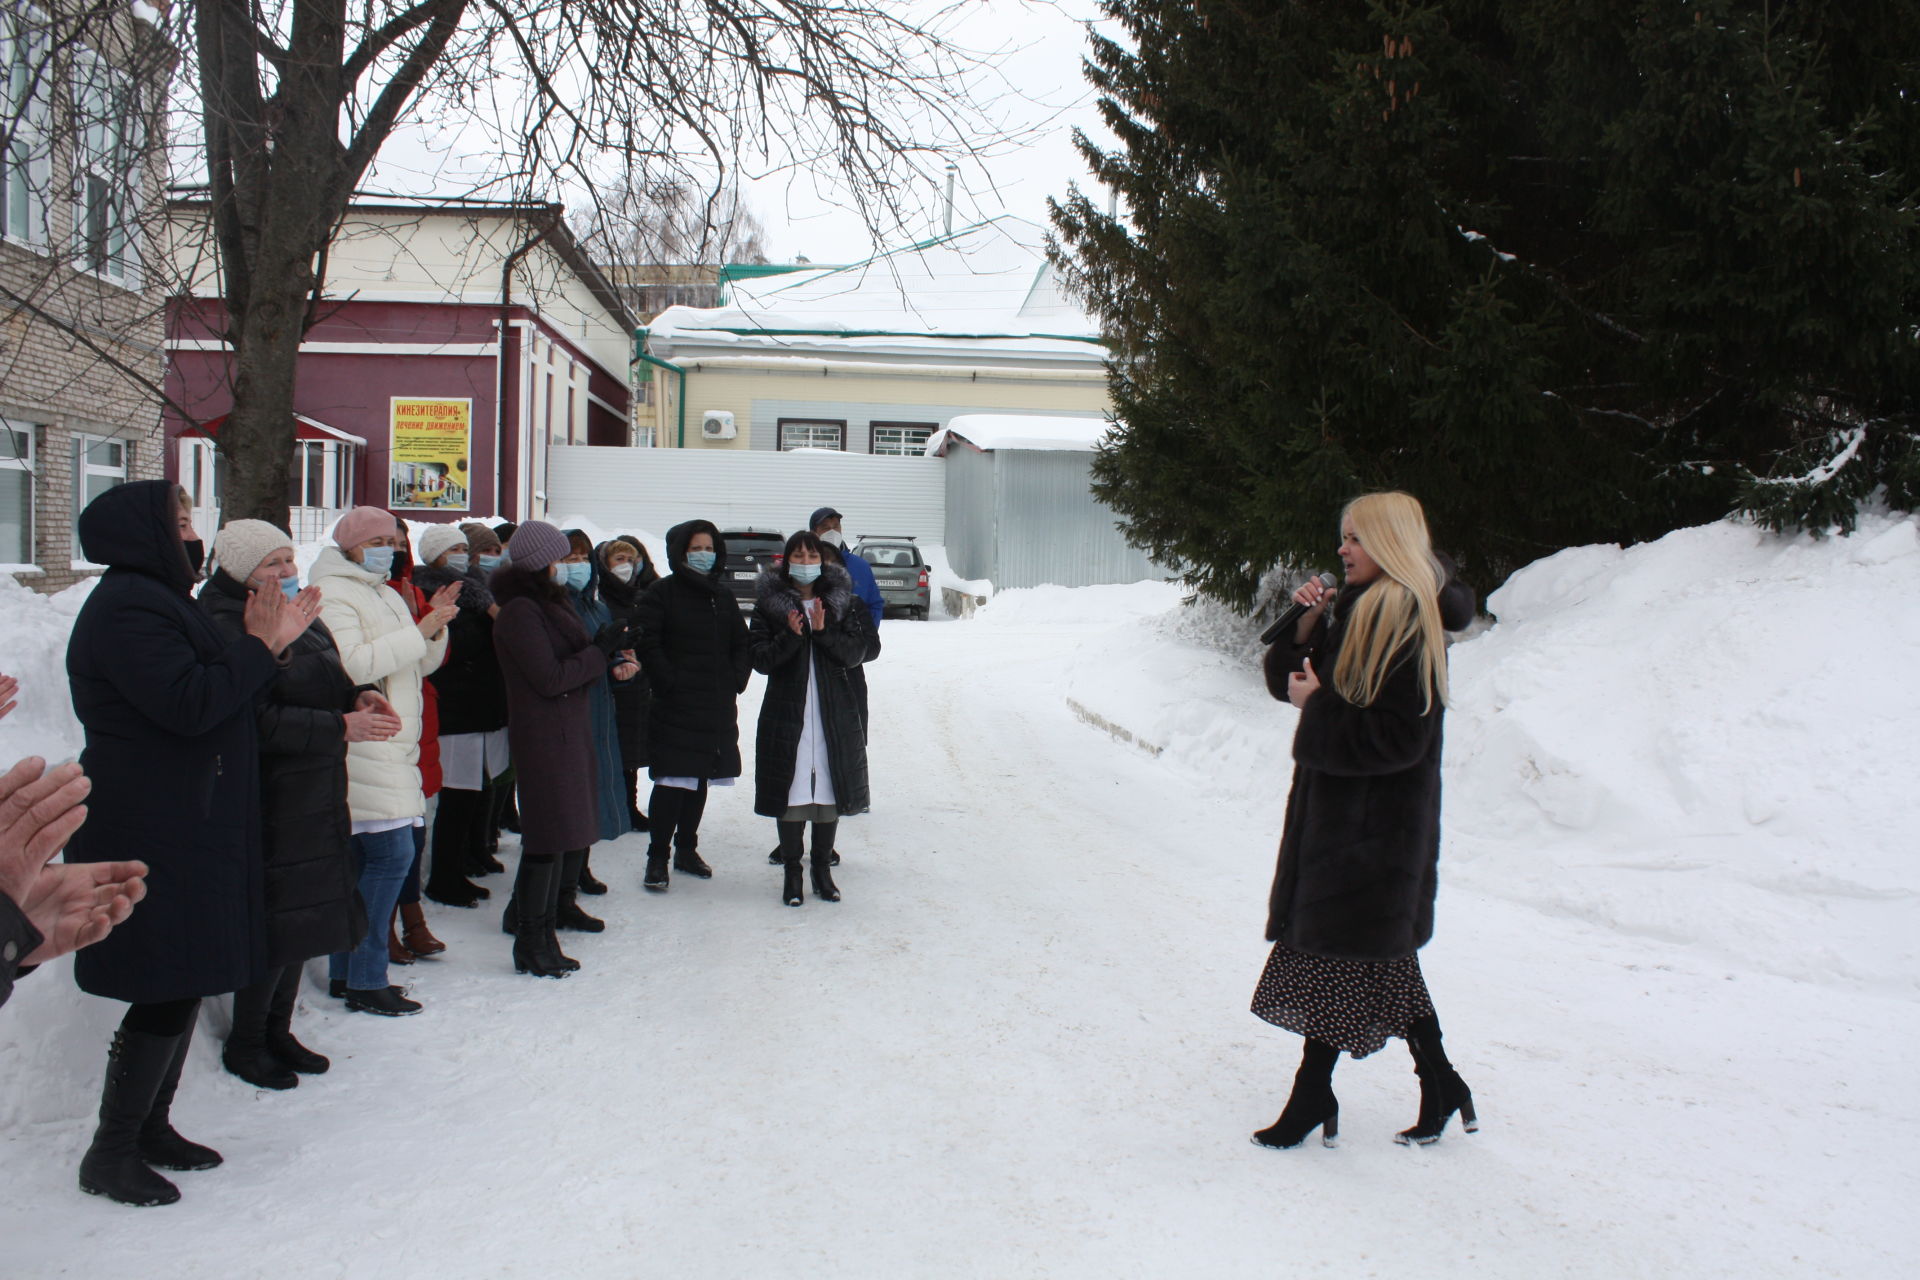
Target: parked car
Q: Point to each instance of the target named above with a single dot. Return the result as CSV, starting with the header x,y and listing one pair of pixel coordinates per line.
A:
x,y
747,551
900,571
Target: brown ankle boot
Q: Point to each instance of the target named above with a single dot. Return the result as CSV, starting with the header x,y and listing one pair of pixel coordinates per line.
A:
x,y
397,952
418,938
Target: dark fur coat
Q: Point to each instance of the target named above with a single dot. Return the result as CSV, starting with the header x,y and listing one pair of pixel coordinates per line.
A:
x,y
1359,857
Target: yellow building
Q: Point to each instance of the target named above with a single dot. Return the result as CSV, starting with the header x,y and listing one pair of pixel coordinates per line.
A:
x,y
878,356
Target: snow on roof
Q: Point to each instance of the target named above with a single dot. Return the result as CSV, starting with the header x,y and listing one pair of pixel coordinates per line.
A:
x,y
990,281
990,431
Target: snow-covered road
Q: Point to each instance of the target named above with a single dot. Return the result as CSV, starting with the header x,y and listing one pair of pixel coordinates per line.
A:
x,y
1019,1047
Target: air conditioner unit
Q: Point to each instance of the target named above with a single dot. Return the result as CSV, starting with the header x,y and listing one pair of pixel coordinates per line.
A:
x,y
717,424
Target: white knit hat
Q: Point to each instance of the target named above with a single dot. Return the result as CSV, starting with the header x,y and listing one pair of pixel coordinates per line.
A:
x,y
437,541
241,545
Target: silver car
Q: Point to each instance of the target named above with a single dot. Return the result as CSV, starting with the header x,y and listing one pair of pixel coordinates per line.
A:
x,y
899,570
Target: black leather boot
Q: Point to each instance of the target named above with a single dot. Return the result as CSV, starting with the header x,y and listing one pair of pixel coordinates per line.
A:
x,y
567,913
667,804
137,1062
1442,1091
159,1144
1311,1105
246,1054
532,885
790,850
686,835
822,859
590,883
280,1041
555,956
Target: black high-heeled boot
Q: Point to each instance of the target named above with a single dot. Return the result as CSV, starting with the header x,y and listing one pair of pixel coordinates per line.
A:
x,y
589,882
821,858
567,913
1442,1091
280,1038
791,892
532,884
1311,1105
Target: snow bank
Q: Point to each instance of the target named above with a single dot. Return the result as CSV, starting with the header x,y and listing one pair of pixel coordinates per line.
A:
x,y
1705,739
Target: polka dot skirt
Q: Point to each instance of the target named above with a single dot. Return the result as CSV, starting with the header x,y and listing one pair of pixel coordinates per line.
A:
x,y
1353,1005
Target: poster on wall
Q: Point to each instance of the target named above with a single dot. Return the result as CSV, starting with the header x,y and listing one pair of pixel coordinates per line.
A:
x,y
431,454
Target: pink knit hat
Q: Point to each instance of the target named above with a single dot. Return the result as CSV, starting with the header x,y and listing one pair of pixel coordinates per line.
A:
x,y
363,523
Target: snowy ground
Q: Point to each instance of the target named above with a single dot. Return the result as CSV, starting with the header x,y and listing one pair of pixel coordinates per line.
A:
x,y
1676,968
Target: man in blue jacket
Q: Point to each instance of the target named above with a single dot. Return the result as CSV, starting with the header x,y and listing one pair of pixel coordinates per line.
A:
x,y
826,527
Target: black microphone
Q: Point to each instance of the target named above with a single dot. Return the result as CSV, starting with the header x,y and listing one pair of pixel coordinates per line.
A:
x,y
1291,614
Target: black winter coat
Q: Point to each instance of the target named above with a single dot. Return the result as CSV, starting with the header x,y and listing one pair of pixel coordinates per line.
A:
x,y
472,698
313,902
630,699
167,701
847,640
694,651
1359,858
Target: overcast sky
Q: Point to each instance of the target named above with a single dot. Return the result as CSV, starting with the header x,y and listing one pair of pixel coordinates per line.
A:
x,y
1048,93
1037,89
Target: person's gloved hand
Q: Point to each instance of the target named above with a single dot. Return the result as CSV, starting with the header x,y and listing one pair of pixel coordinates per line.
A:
x,y
610,639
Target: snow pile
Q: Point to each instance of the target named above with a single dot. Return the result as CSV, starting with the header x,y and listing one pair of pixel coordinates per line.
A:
x,y
993,431
1709,737
1704,739
33,648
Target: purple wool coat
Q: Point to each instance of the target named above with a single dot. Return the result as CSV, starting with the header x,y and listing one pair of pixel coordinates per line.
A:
x,y
549,665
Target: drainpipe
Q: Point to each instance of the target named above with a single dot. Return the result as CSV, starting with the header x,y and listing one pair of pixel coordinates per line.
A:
x,y
680,397
500,391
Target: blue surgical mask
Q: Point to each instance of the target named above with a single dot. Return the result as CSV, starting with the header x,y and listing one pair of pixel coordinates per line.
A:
x,y
377,560
291,586
702,561
803,572
579,573
489,563
459,561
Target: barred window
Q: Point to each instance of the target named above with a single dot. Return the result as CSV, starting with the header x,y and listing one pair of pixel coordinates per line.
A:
x,y
804,433
902,439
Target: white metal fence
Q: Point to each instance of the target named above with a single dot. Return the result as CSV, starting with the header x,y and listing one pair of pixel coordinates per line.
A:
x,y
655,489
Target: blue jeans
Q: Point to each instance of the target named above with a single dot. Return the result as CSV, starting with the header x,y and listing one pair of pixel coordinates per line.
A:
x,y
384,858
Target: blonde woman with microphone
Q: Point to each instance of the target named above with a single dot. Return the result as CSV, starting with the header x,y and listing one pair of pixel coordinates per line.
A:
x,y
1352,899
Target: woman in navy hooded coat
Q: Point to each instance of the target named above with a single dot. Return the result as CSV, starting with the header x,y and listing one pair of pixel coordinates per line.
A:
x,y
168,704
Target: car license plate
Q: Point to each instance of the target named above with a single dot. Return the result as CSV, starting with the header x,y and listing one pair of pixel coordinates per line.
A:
x,y
749,573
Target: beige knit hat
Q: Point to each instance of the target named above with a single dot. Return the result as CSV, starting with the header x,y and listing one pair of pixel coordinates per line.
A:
x,y
437,541
241,545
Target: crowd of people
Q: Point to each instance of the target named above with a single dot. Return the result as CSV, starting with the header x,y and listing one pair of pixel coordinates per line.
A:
x,y
290,768
256,789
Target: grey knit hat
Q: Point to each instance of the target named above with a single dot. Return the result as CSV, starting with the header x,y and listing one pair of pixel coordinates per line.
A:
x,y
437,541
537,544
241,545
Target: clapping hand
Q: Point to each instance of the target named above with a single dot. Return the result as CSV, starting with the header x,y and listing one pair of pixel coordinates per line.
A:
x,y
441,609
277,621
9,687
71,905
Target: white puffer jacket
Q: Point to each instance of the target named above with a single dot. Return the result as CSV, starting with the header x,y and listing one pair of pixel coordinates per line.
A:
x,y
379,645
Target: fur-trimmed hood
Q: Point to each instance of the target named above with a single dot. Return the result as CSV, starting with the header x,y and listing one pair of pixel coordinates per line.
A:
x,y
775,596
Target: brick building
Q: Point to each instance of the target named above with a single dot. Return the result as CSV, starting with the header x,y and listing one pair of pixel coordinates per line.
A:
x,y
81,314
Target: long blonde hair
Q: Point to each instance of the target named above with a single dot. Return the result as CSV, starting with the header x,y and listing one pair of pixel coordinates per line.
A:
x,y
1400,608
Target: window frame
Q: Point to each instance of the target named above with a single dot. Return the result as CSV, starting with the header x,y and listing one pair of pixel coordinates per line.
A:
x,y
10,460
109,157
875,428
84,470
781,425
20,51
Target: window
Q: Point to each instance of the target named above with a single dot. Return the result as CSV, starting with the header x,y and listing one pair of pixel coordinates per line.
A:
x,y
319,476
803,433
98,465
16,492
109,141
902,439
26,168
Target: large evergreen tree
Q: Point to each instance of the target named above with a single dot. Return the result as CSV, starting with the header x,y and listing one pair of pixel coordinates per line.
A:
x,y
1568,270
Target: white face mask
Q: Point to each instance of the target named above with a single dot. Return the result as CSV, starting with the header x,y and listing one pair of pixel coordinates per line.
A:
x,y
832,537
624,571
